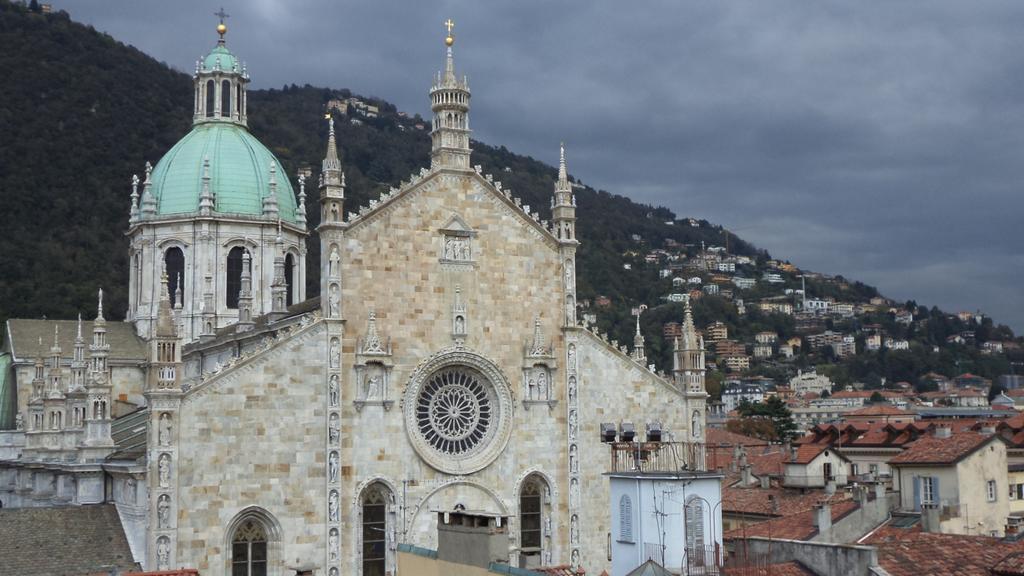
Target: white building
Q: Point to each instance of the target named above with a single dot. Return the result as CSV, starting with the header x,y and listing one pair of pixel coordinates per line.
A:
x,y
735,393
805,382
672,517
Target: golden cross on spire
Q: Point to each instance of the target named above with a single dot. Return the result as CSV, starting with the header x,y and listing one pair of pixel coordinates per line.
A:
x,y
222,28
449,24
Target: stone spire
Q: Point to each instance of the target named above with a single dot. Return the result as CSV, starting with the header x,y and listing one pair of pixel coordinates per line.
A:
x,y
688,356
206,201
279,286
148,208
245,319
372,343
208,311
563,207
300,211
449,100
179,293
55,373
165,325
39,379
332,182
133,215
270,209
78,360
538,347
97,433
639,353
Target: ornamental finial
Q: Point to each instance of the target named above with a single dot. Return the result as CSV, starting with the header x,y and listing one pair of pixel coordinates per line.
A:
x,y
222,28
450,38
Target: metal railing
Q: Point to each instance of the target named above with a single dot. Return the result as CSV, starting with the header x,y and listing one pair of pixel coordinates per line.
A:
x,y
657,457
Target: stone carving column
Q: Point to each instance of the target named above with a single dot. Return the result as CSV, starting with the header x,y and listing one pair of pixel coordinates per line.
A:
x,y
572,449
161,548
334,386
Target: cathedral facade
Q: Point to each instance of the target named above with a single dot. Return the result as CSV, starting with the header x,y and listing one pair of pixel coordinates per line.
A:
x,y
443,366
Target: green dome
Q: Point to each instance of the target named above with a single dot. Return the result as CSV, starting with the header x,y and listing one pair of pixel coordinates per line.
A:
x,y
221,54
239,173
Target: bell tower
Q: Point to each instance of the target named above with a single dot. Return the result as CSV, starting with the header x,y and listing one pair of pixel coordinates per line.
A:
x,y
449,100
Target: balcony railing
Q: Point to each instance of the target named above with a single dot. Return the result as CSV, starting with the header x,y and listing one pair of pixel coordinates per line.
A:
x,y
657,457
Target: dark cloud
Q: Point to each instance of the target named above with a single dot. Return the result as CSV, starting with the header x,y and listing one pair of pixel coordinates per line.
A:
x,y
882,141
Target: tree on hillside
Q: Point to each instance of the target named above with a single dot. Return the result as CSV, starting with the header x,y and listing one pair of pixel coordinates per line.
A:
x,y
775,411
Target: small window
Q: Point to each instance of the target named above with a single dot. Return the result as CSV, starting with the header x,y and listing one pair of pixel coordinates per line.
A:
x,y
992,494
928,490
289,278
625,519
210,97
174,262
225,99
233,284
249,550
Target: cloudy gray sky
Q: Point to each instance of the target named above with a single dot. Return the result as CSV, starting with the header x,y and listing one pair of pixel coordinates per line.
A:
x,y
879,140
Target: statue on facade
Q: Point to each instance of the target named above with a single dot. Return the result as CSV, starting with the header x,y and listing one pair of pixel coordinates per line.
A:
x,y
335,353
163,512
334,391
332,507
335,265
165,429
332,468
163,553
164,468
333,430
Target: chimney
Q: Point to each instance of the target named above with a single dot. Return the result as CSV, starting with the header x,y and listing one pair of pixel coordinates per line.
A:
x,y
942,432
747,479
930,518
860,494
774,502
988,428
472,538
830,487
793,451
879,491
823,516
766,481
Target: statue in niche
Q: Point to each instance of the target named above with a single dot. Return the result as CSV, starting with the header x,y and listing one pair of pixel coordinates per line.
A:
x,y
164,468
574,465
568,273
695,424
129,490
572,391
332,545
574,530
334,391
335,301
165,429
335,353
19,422
572,357
531,388
163,553
464,245
542,384
374,386
332,507
333,429
460,325
449,248
334,572
574,492
332,467
335,266
547,525
575,557
163,512
572,424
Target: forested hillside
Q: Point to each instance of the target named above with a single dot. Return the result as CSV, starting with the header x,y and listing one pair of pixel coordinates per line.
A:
x,y
81,112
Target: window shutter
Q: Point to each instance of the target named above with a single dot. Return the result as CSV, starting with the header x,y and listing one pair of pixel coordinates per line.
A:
x,y
625,519
917,493
936,498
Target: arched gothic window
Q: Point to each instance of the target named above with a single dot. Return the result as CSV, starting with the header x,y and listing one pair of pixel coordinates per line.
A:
x,y
531,519
374,518
249,549
174,262
233,282
225,99
625,519
289,278
210,98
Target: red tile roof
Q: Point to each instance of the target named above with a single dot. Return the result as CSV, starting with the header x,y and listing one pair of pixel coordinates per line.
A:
x,y
781,569
910,552
930,450
1011,565
759,501
798,526
718,437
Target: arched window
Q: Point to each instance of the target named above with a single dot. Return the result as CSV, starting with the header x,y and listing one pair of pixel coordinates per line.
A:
x,y
233,282
225,99
374,513
238,101
625,519
249,549
693,514
210,98
174,261
289,278
531,520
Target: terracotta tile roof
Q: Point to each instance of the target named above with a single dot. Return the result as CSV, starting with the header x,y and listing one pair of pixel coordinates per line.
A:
x,y
910,552
759,501
798,526
718,437
560,570
63,540
780,569
763,460
806,453
942,451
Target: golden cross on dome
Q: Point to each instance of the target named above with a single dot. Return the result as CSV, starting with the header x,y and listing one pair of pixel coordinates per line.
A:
x,y
222,28
449,24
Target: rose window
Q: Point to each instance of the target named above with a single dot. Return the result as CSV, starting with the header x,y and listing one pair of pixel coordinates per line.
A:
x,y
455,410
